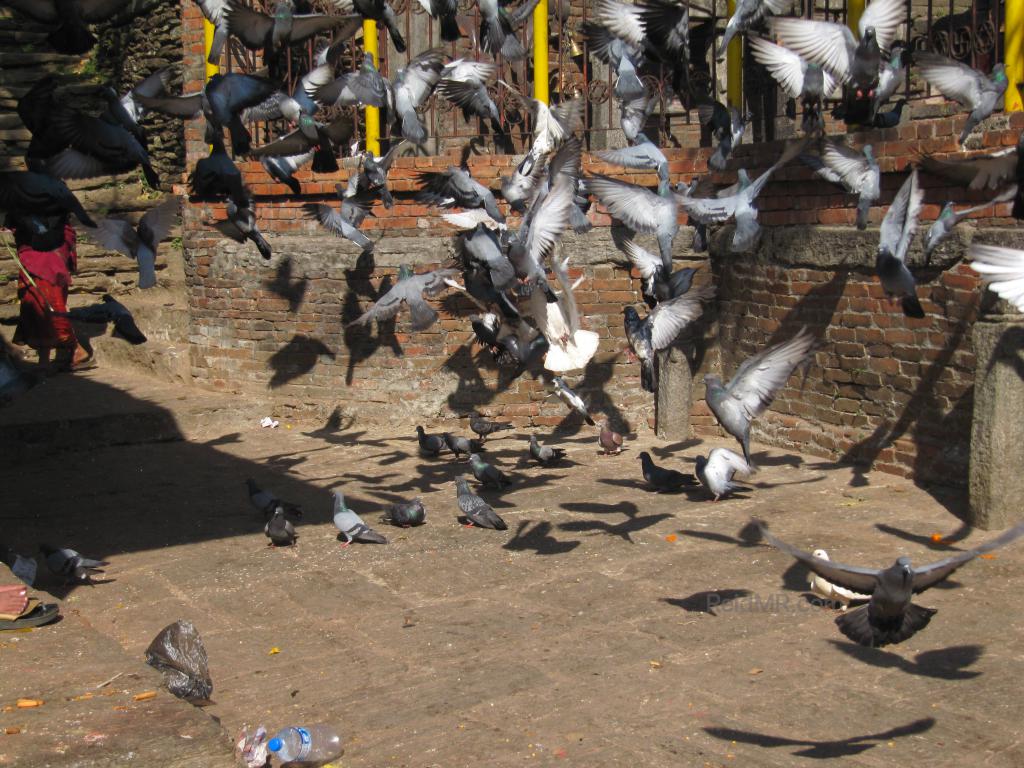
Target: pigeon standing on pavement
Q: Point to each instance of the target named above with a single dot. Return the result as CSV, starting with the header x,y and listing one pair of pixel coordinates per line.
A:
x,y
279,529
477,511
267,503
610,440
405,514
461,445
484,427
716,471
430,445
661,479
72,567
890,616
826,589
487,474
545,455
754,385
352,526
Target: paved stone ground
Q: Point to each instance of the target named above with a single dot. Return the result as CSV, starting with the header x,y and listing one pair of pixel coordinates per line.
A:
x,y
581,636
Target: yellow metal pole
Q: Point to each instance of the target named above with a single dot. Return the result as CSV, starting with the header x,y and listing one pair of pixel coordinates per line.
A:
x,y
854,10
372,113
540,52
208,30
1013,53
734,72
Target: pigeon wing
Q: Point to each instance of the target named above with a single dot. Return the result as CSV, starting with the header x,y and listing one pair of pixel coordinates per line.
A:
x,y
822,42
885,16
932,574
646,263
158,220
117,235
848,164
668,318
784,65
991,171
900,220
1002,269
759,377
851,577
953,79
636,207
248,25
623,21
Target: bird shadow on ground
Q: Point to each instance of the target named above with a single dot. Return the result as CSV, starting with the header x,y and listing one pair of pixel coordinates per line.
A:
x,y
359,342
823,750
232,437
282,285
765,459
669,451
495,498
623,530
707,601
747,536
943,663
538,540
296,358
805,481
943,545
627,508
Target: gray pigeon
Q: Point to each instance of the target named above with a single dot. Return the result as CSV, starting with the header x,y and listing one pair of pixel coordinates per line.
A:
x,y
413,85
800,79
279,529
660,329
240,225
656,285
497,28
891,76
889,617
430,445
717,470
754,385
483,427
644,154
487,474
545,455
661,479
747,14
39,194
456,187
727,126
957,81
477,511
857,172
70,565
346,222
617,42
405,514
641,210
267,503
215,12
949,218
571,399
409,290
896,232
352,526
140,243
461,445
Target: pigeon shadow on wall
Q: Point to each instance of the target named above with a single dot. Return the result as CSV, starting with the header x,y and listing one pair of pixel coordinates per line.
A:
x,y
296,358
282,285
360,341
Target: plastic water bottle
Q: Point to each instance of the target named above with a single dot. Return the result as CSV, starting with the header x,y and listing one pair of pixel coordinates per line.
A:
x,y
315,744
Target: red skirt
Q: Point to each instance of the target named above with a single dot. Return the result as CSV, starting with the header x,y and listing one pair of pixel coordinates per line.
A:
x,y
38,327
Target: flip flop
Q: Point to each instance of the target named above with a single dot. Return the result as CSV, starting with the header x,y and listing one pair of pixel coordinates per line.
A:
x,y
37,617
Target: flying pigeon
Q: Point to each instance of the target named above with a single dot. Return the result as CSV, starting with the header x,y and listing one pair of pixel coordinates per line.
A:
x,y
346,222
643,154
279,529
497,28
456,187
727,127
464,84
322,138
377,10
71,17
110,311
826,589
405,514
216,175
857,172
431,445
461,445
656,285
545,455
949,218
240,225
71,566
802,80
662,479
412,86
641,210
891,76
39,193
140,243
487,474
890,616
477,511
716,471
748,14
609,440
964,84
483,427
1002,269
373,174
283,168
352,526
409,289
571,399
445,11
364,87
97,148
896,232
267,503
754,385
660,329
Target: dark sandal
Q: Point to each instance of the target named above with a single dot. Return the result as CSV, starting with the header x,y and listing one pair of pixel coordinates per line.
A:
x,y
37,617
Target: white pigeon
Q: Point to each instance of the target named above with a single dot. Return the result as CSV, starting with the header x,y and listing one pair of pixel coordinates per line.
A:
x,y
571,347
1002,269
717,470
830,591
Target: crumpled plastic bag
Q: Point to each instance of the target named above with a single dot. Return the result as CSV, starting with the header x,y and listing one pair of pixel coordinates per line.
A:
x,y
251,748
179,654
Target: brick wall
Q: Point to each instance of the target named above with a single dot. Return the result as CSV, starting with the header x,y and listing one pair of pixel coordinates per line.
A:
x,y
883,388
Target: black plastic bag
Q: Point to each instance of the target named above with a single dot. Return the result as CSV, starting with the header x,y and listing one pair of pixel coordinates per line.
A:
x,y
178,652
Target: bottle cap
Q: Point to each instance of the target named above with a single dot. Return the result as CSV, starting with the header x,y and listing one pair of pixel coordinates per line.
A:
x,y
274,745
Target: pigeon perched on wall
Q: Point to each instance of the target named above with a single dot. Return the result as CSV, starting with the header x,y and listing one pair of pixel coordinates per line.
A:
x,y
405,514
487,474
410,290
279,529
430,445
140,243
545,455
895,235
964,84
890,616
826,589
351,525
267,503
716,471
1002,269
477,511
660,329
754,385
609,440
661,479
72,567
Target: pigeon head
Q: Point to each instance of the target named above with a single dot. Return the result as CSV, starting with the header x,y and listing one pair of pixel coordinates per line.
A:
x,y
404,272
711,379
631,314
701,462
869,152
906,573
474,458
291,110
419,431
999,73
533,440
644,457
869,35
947,211
461,485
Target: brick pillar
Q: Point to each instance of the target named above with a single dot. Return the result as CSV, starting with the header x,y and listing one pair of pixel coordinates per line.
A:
x,y
674,398
997,432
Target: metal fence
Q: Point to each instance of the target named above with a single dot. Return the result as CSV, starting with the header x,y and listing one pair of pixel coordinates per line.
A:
x,y
969,31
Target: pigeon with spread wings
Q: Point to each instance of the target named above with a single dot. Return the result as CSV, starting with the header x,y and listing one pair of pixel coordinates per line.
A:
x,y
409,290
